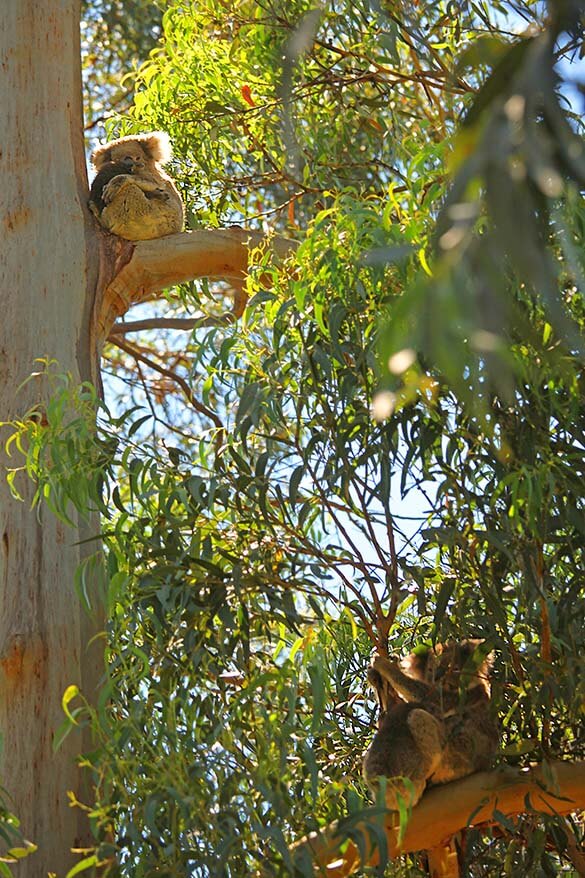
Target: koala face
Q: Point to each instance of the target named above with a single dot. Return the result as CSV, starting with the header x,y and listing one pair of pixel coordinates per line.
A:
x,y
131,155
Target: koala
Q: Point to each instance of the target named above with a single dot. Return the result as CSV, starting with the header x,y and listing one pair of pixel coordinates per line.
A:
x,y
440,728
131,195
409,744
107,172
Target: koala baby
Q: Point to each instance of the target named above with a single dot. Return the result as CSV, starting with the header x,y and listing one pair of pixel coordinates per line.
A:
x,y
107,172
131,195
441,727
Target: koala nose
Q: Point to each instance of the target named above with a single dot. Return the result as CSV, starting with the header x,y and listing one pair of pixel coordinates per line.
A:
x,y
132,163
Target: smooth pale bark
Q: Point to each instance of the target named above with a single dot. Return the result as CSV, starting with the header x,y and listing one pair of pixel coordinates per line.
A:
x,y
46,278
446,809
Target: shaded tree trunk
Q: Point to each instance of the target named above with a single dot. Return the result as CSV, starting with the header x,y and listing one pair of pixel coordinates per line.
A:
x,y
47,280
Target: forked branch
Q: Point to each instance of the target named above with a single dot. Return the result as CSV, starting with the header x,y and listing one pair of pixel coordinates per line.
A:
x,y
133,273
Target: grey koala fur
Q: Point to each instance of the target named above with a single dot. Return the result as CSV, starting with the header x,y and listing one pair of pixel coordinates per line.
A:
x,y
107,172
436,724
131,195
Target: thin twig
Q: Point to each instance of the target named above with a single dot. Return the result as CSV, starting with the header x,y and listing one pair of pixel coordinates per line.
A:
x,y
198,406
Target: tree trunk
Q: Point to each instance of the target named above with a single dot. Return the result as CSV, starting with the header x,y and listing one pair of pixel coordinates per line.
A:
x,y
47,281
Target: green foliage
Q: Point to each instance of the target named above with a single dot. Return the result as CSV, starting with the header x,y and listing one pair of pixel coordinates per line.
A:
x,y
261,543
116,37
62,452
13,846
506,267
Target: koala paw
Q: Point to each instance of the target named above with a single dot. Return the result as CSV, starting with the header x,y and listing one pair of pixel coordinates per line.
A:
x,y
112,188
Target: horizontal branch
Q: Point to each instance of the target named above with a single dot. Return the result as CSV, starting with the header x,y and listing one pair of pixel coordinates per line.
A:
x,y
185,323
147,267
446,809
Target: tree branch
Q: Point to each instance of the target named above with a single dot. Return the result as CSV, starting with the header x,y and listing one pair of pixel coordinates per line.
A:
x,y
147,267
446,809
121,328
178,379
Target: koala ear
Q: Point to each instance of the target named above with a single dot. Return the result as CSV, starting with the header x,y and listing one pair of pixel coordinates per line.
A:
x,y
158,146
101,155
